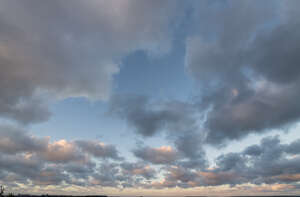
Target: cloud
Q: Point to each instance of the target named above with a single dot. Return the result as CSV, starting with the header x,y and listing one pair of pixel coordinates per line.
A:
x,y
80,171
99,149
149,118
63,151
187,152
50,176
72,49
107,175
293,148
25,158
248,72
160,155
28,159
22,166
190,146
273,165
139,169
179,120
63,162
14,140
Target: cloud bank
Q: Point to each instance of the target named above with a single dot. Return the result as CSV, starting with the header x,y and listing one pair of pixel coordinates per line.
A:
x,y
71,49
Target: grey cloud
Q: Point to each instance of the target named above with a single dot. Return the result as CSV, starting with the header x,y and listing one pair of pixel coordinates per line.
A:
x,y
22,169
190,146
80,171
25,158
14,140
28,159
230,161
181,174
177,119
161,155
19,165
273,164
108,175
254,150
293,148
187,178
122,175
270,165
148,118
138,169
270,162
187,152
99,149
72,49
247,73
50,176
63,151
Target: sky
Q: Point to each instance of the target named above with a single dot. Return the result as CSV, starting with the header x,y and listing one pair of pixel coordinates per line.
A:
x,y
149,97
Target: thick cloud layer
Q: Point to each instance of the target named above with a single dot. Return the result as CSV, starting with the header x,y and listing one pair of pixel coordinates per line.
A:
x,y
248,72
71,49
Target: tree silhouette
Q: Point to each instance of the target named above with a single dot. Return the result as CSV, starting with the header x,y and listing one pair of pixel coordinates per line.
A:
x,y
1,190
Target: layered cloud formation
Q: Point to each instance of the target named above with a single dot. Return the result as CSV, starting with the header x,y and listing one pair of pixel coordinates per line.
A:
x,y
241,55
30,160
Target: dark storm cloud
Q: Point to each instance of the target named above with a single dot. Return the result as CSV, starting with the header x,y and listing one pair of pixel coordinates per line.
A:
x,y
248,72
71,49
